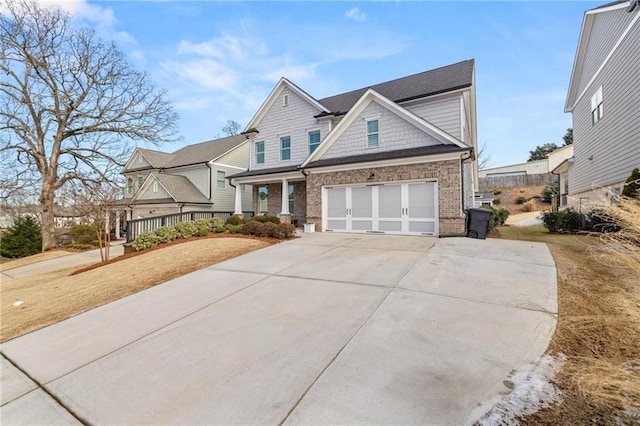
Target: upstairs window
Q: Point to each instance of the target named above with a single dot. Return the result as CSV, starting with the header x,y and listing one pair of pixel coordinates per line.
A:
x,y
129,185
140,158
285,100
285,148
140,180
597,107
259,151
220,175
314,140
372,134
155,186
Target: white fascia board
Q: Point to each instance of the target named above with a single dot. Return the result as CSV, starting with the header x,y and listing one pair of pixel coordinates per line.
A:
x,y
386,163
275,177
244,169
275,93
369,96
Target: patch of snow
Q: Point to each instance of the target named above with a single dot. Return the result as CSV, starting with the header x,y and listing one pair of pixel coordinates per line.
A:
x,y
528,222
532,391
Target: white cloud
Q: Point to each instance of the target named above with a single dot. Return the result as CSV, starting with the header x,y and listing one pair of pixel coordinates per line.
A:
x,y
355,14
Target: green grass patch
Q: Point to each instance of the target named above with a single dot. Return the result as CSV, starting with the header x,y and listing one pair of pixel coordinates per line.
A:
x,y
538,233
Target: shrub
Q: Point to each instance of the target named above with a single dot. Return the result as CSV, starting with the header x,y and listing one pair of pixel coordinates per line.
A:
x,y
267,229
186,229
602,221
632,184
497,192
203,226
144,241
233,229
79,246
283,231
563,220
551,220
83,234
497,201
215,222
521,199
252,228
529,206
234,220
165,234
498,217
548,192
219,229
24,238
266,218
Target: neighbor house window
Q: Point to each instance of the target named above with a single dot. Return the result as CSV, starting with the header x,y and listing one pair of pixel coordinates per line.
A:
x,y
290,199
140,158
155,186
314,140
220,179
259,152
285,100
285,148
263,195
129,185
372,134
140,180
597,107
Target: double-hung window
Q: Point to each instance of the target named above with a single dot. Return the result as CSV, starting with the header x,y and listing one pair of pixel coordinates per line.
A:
x,y
597,106
372,134
285,148
314,140
259,152
220,179
129,186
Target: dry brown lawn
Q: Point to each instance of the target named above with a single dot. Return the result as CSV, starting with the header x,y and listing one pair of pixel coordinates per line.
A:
x,y
598,330
49,298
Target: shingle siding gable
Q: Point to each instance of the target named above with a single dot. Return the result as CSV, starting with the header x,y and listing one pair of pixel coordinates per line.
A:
x,y
293,120
394,133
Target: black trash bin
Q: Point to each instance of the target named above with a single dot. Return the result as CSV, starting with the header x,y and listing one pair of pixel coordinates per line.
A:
x,y
478,223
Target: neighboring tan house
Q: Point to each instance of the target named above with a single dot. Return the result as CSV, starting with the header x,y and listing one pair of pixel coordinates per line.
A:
x,y
396,157
193,178
604,100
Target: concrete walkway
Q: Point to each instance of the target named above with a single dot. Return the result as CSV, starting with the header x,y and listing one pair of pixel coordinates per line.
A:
x,y
69,261
325,329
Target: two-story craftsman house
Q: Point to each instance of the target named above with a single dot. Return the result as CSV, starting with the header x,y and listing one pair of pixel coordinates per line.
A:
x,y
397,157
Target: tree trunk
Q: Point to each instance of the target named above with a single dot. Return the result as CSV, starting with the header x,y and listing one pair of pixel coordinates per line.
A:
x,y
47,217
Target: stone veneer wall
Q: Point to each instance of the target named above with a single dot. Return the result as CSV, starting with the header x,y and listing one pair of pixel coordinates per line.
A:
x,y
446,172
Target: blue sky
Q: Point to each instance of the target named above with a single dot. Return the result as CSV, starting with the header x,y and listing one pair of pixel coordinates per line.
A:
x,y
219,60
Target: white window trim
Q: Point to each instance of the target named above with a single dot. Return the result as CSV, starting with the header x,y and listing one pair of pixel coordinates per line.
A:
x,y
597,106
140,158
366,123
280,143
155,186
223,180
308,144
285,100
255,152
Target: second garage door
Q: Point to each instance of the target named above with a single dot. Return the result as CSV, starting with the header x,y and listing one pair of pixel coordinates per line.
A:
x,y
406,208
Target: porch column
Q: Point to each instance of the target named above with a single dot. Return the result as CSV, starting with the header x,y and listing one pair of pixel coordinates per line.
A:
x,y
237,210
285,198
117,224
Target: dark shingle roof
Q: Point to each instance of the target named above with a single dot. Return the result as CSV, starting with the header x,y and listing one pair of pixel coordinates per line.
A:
x,y
203,152
156,158
181,188
439,80
266,171
389,155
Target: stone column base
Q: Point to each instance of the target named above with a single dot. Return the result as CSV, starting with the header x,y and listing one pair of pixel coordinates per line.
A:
x,y
285,218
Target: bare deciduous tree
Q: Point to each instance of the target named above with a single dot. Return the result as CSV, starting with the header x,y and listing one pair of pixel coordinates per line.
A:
x,y
70,103
484,157
232,128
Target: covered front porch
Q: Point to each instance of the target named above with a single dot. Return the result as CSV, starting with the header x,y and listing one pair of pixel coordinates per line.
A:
x,y
278,192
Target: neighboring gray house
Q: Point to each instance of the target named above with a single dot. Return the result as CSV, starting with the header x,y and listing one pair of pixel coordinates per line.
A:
x,y
604,99
396,157
193,178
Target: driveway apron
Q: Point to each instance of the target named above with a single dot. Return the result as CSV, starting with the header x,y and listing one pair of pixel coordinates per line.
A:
x,y
327,328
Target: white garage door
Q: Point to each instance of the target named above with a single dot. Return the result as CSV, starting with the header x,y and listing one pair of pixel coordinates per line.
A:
x,y
407,208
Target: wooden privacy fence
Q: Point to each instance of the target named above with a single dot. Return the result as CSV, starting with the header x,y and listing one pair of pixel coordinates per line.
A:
x,y
511,181
136,227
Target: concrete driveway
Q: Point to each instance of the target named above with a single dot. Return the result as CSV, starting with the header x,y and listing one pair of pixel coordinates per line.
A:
x,y
325,329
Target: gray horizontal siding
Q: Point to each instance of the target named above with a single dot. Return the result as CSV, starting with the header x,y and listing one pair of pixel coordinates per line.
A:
x,y
239,157
605,32
614,142
444,114
198,175
150,195
394,133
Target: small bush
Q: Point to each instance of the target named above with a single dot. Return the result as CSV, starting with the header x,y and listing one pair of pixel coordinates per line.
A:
x,y
284,231
266,218
548,192
186,229
529,206
145,240
233,229
234,220
551,220
632,184
602,221
95,243
79,246
203,226
497,192
83,234
219,229
497,201
563,220
215,222
521,200
24,238
165,234
252,228
498,217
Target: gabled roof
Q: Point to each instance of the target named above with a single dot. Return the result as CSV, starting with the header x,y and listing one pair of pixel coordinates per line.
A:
x,y
369,96
428,83
275,93
204,152
179,188
583,41
156,158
